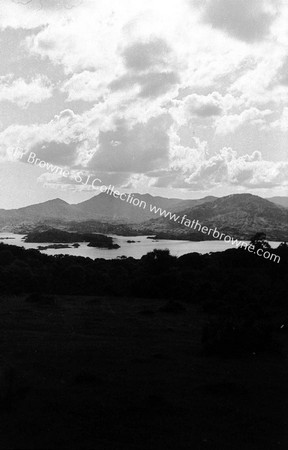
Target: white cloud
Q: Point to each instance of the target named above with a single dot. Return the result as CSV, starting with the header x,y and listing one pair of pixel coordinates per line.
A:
x,y
88,141
87,85
228,169
203,107
24,92
230,123
282,122
147,72
56,141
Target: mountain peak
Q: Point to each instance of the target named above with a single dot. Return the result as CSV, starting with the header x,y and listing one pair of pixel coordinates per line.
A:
x,y
58,201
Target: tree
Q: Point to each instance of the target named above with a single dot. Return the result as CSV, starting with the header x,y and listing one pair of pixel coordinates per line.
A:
x,y
259,241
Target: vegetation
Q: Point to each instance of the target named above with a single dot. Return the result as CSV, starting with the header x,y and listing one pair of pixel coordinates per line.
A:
x,y
105,369
223,278
59,236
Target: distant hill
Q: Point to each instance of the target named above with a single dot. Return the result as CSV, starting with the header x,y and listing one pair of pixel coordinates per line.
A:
x,y
52,209
283,201
107,207
238,215
101,207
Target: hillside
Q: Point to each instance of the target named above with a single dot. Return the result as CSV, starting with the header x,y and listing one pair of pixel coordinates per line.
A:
x,y
282,201
101,207
52,209
239,215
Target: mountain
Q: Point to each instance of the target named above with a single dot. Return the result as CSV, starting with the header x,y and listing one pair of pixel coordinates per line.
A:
x,y
107,207
102,208
238,215
52,209
282,201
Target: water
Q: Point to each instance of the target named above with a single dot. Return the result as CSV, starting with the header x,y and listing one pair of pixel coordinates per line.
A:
x,y
141,246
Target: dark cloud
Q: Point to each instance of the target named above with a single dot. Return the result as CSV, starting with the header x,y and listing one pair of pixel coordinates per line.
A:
x,y
155,84
151,85
247,20
57,153
49,4
208,110
143,148
149,65
146,55
282,76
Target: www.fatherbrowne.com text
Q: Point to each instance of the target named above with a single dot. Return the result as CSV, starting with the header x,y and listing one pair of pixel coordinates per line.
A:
x,y
95,184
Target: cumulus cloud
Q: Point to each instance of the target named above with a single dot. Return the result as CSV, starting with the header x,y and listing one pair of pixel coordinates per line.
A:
x,y
48,4
149,73
142,148
230,123
259,83
24,92
203,106
282,122
150,85
148,69
247,21
88,86
87,142
54,141
282,75
141,56
228,169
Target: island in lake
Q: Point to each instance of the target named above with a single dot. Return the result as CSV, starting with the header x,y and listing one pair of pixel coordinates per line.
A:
x,y
60,237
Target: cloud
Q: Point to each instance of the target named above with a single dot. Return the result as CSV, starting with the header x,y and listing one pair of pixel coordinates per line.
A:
x,y
57,152
141,56
259,83
142,148
230,123
147,72
24,92
282,75
202,106
228,169
50,4
127,151
249,21
55,141
88,86
282,122
205,110
151,85
82,180
87,142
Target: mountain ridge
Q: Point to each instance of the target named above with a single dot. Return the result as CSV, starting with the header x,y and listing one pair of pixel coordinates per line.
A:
x,y
236,214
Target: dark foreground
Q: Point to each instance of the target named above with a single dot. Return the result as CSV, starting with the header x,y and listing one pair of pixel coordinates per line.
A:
x,y
112,373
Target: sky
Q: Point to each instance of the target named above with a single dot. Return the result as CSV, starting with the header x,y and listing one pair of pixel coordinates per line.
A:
x,y
179,98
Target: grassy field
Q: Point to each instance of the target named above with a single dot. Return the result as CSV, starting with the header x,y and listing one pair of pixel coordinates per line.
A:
x,y
113,373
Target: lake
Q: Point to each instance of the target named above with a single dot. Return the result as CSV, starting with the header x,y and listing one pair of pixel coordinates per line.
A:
x,y
136,250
